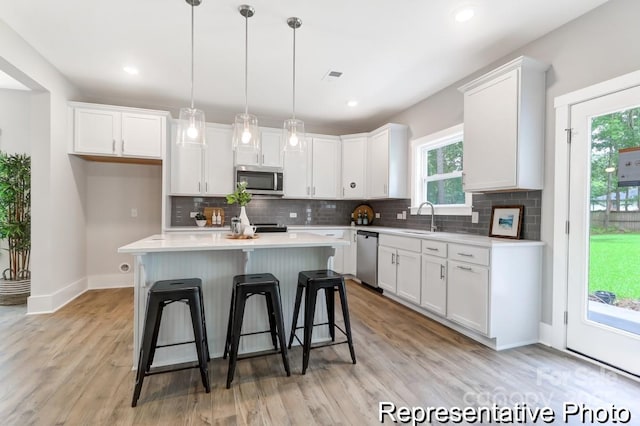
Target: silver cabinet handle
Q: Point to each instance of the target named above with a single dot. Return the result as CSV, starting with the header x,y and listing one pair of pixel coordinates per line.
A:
x,y
393,258
206,187
343,191
122,146
442,272
257,158
113,146
465,268
465,254
397,259
307,190
262,158
433,249
354,238
314,191
198,186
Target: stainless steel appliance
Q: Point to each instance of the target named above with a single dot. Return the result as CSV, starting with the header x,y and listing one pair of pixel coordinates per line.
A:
x,y
269,227
367,260
261,180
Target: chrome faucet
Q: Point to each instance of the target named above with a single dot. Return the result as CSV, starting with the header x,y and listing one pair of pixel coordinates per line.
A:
x,y
433,213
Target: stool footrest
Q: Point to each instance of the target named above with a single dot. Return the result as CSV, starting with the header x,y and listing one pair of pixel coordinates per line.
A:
x,y
169,369
175,344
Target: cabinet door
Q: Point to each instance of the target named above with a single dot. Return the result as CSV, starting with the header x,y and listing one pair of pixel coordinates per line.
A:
x,y
378,170
468,295
142,135
186,168
408,275
325,168
218,177
387,268
96,131
354,151
350,253
271,141
491,134
296,171
434,284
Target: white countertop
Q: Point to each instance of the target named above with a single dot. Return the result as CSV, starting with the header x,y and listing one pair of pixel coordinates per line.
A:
x,y
452,237
198,241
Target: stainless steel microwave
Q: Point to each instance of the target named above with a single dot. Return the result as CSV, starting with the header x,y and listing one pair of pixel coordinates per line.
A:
x,y
261,180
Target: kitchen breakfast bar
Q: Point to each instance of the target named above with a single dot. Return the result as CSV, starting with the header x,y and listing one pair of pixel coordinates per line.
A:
x,y
216,259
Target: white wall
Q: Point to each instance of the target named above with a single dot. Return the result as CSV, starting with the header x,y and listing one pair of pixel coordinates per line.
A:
x,y
597,46
58,237
15,107
113,190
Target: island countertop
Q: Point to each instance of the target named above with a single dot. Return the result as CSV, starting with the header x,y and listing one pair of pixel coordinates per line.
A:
x,y
197,241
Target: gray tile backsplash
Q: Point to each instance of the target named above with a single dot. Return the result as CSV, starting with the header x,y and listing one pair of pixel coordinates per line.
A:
x,y
337,212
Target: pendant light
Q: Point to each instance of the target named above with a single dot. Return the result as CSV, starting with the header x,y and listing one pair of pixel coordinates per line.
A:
x,y
191,124
246,135
293,131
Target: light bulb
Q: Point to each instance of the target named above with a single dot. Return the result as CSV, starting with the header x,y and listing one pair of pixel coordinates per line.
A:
x,y
246,135
293,140
192,132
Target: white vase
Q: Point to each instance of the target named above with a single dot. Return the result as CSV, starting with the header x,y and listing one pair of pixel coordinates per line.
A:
x,y
244,220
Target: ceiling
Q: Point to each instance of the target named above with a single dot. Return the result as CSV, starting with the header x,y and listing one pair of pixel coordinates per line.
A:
x,y
392,53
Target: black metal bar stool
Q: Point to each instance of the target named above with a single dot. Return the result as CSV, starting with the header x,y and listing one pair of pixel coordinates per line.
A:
x,y
245,286
161,294
313,281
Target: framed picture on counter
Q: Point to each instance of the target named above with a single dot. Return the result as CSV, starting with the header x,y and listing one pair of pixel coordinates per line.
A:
x,y
506,222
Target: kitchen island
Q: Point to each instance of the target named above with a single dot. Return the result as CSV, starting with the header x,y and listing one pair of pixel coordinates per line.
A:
x,y
215,258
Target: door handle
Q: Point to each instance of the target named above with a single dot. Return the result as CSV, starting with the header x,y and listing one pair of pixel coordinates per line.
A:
x,y
465,268
465,254
432,249
397,259
393,258
198,186
113,146
442,272
123,146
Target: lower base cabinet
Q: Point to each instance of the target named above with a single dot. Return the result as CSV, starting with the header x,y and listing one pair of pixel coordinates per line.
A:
x,y
468,295
399,266
434,284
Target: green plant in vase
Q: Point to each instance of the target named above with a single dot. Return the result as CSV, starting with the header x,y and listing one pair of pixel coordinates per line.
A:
x,y
241,197
15,225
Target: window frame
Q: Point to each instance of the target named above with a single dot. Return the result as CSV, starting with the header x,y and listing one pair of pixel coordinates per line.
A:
x,y
433,141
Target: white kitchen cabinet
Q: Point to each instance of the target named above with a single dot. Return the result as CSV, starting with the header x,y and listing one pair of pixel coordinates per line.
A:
x,y
468,295
351,253
270,154
314,173
387,154
433,295
354,163
325,167
111,131
504,128
203,171
399,266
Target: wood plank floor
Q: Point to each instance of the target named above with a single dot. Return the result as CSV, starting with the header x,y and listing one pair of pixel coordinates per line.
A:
x,y
74,367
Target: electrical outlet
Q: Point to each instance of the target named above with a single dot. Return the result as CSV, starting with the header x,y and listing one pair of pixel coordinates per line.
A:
x,y
134,212
377,215
474,217
404,215
293,214
399,216
192,214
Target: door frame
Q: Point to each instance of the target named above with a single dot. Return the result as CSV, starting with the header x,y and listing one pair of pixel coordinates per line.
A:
x,y
556,335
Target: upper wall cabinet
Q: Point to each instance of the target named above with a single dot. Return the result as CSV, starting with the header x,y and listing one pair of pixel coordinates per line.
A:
x,y
270,154
316,172
125,134
504,128
387,162
354,165
203,171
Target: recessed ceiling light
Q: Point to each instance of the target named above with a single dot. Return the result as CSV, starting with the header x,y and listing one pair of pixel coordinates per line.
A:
x,y
465,14
352,103
130,70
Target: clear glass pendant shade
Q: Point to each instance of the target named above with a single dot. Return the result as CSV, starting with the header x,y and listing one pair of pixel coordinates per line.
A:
x,y
246,133
191,127
293,135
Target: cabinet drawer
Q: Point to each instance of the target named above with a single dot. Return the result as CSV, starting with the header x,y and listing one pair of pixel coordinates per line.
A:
x,y
434,248
411,244
471,254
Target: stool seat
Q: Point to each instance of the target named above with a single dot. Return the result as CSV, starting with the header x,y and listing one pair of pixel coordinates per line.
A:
x,y
161,294
245,286
309,283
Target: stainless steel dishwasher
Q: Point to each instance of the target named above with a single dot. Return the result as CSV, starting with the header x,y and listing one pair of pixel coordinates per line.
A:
x,y
367,260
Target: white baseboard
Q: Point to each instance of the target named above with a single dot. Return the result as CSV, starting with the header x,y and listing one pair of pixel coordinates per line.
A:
x,y
110,281
50,303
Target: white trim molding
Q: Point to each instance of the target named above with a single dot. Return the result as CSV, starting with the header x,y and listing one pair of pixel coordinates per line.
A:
x,y
49,303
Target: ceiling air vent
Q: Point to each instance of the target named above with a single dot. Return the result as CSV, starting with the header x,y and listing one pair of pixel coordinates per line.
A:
x,y
332,76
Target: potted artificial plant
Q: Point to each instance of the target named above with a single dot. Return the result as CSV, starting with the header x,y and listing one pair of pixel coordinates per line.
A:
x,y
241,197
15,226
